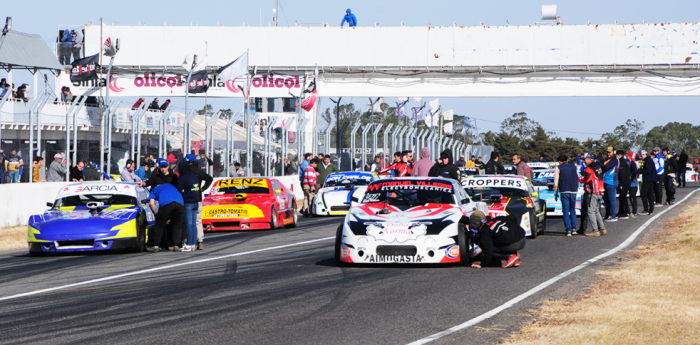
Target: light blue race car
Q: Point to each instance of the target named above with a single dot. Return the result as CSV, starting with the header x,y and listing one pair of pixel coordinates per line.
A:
x,y
543,182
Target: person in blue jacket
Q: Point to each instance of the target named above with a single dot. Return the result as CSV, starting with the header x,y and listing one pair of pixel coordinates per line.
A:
x,y
611,169
350,18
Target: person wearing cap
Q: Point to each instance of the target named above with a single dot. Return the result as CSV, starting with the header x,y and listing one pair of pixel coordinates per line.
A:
x,y
593,185
165,105
611,168
208,181
445,168
649,180
170,215
57,169
670,171
634,183
162,174
659,164
499,239
128,174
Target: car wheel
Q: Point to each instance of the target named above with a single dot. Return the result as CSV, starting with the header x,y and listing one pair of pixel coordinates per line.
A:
x,y
273,218
139,243
464,244
295,215
533,229
338,242
37,253
543,227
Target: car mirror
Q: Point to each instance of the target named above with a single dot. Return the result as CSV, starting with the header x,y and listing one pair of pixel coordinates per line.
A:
x,y
354,199
465,201
349,187
144,201
534,194
496,197
278,191
49,204
206,195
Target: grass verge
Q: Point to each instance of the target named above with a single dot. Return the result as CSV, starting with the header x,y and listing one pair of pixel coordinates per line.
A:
x,y
13,237
653,298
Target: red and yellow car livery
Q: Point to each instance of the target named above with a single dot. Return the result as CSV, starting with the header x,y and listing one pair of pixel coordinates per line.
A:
x,y
248,203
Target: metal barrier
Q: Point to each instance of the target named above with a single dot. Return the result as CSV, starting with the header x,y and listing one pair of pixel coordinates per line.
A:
x,y
209,138
386,141
137,117
353,151
374,139
268,138
187,131
35,108
229,140
249,143
327,134
301,138
367,128
285,141
314,143
107,139
162,132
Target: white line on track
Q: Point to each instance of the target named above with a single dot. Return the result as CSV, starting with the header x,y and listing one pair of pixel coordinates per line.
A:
x,y
161,268
549,282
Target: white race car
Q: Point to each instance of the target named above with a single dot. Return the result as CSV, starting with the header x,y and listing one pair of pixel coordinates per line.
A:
x,y
334,197
409,220
536,166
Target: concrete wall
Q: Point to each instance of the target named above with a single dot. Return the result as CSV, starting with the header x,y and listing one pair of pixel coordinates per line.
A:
x,y
18,201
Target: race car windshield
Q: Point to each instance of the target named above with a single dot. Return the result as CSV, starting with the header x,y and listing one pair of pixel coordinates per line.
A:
x,y
241,189
346,182
542,182
107,199
409,193
485,192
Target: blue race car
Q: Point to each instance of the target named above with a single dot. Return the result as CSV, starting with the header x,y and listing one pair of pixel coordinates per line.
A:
x,y
543,182
93,216
334,198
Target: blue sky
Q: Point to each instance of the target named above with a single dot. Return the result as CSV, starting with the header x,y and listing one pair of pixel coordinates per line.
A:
x,y
590,116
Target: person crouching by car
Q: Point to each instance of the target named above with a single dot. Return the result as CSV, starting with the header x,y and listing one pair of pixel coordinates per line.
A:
x,y
172,208
189,186
499,238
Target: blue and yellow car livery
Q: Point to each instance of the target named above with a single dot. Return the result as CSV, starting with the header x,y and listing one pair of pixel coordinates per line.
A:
x,y
92,217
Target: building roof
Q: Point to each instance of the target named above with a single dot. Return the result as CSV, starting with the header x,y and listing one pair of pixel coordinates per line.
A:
x,y
20,50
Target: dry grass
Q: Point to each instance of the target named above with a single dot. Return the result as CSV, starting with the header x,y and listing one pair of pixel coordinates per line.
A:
x,y
13,237
652,299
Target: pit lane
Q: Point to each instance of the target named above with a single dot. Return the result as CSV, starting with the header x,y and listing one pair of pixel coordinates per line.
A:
x,y
292,295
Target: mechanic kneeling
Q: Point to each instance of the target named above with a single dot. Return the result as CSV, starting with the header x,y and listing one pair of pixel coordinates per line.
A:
x,y
172,207
499,238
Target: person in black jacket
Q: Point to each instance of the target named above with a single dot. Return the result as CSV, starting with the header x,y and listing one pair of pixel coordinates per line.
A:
x,y
670,171
682,162
189,187
208,180
625,179
163,174
154,105
499,238
649,179
494,166
445,168
165,105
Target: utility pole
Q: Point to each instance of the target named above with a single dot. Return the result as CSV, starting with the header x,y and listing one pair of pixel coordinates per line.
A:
x,y
338,135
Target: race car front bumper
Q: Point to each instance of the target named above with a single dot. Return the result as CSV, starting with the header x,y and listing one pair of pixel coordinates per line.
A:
x,y
424,250
229,224
80,245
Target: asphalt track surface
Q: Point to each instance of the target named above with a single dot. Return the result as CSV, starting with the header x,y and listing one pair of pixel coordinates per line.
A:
x,y
243,290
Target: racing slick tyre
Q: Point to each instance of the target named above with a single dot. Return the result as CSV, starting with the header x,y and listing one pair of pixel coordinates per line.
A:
x,y
139,243
338,242
37,253
464,242
543,227
533,229
273,218
295,216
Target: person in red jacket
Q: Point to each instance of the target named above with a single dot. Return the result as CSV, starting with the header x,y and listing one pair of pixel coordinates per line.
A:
x,y
400,167
592,180
138,103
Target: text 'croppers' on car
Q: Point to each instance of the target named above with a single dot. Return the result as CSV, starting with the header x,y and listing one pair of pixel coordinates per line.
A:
x,y
334,198
509,196
248,204
543,183
408,220
92,216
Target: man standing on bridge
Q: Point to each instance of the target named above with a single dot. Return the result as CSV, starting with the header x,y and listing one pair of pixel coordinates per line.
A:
x,y
350,18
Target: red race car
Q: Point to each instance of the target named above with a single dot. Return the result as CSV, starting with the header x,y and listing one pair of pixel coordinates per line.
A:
x,y
249,204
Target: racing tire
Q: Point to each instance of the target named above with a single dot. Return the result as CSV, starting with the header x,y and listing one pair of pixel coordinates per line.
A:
x,y
273,218
464,243
543,228
533,229
338,242
37,254
139,243
295,216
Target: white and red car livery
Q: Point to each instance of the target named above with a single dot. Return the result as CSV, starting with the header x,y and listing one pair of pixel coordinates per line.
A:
x,y
408,220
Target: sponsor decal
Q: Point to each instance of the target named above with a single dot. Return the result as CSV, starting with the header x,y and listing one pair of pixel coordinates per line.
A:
x,y
344,251
543,175
396,232
234,211
95,189
341,177
494,214
410,185
245,182
452,252
492,182
372,258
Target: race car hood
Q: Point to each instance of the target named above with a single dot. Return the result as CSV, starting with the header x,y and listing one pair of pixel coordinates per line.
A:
x,y
509,207
548,196
66,223
401,226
